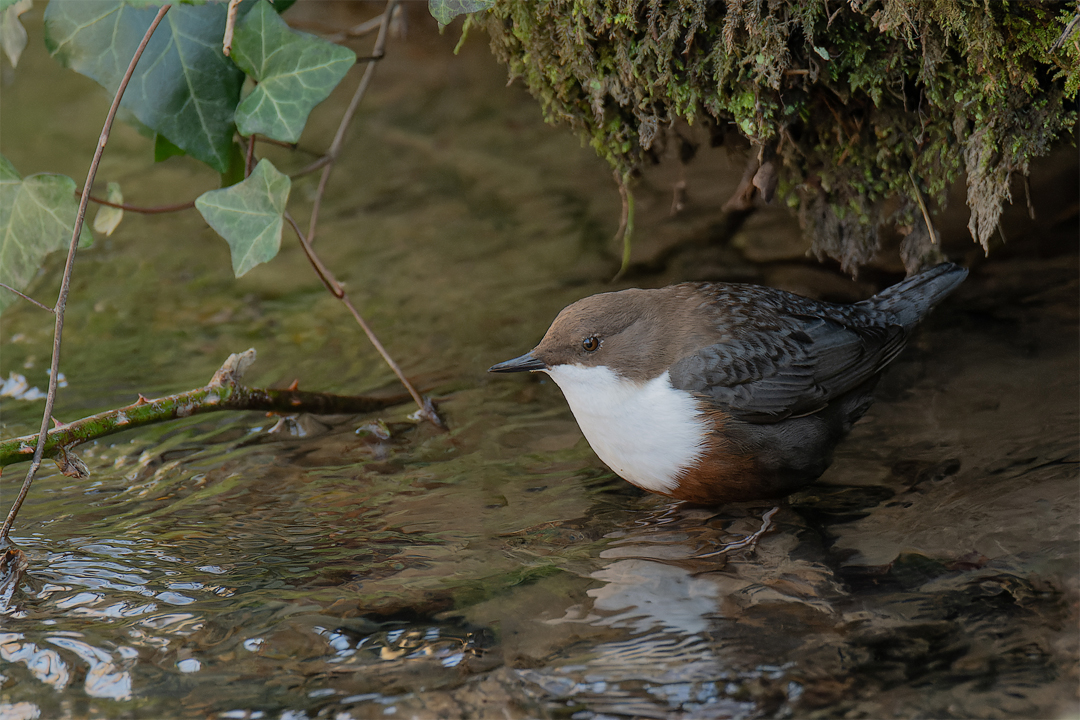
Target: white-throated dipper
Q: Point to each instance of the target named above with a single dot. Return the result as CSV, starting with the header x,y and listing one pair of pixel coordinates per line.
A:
x,y
717,392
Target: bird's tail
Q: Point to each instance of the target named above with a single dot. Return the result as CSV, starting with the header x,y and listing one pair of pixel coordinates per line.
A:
x,y
909,301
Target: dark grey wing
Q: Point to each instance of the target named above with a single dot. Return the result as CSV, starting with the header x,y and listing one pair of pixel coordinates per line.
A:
x,y
793,366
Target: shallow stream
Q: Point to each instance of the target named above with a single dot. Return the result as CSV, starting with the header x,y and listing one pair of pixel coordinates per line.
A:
x,y
231,566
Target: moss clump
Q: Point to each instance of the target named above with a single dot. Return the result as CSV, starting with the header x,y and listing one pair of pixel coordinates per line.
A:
x,y
861,108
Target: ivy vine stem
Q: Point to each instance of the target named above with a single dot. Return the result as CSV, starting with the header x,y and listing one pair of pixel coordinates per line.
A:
x,y
426,408
65,284
332,153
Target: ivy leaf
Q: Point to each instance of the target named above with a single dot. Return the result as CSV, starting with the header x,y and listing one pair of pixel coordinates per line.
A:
x,y
237,167
164,149
108,217
183,87
37,214
295,72
446,10
248,215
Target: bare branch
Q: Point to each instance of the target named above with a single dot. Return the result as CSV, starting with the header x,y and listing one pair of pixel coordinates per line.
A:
x,y
321,270
321,162
357,31
65,284
427,410
925,210
249,162
1065,33
339,138
158,210
26,297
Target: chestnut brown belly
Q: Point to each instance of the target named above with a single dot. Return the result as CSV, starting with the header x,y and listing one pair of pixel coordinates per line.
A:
x,y
756,461
738,478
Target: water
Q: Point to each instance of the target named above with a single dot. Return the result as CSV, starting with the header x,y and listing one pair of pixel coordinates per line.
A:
x,y
213,568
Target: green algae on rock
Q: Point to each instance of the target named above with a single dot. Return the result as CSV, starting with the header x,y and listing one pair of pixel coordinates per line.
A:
x,y
864,112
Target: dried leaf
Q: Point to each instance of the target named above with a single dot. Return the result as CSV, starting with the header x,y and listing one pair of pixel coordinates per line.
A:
x,y
108,218
71,465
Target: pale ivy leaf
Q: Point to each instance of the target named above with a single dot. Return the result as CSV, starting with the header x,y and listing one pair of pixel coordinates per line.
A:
x,y
249,215
12,33
446,10
37,214
108,218
295,72
183,88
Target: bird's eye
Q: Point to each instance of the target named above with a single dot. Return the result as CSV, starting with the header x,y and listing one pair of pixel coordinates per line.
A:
x,y
591,344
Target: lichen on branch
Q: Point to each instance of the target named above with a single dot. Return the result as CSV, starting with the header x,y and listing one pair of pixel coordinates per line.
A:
x,y
224,392
853,99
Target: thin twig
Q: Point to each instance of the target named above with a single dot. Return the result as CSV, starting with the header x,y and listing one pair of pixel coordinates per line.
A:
x,y
157,210
65,284
922,206
321,270
333,34
249,163
833,16
1027,196
339,138
426,409
331,283
282,143
356,31
321,162
1065,33
26,297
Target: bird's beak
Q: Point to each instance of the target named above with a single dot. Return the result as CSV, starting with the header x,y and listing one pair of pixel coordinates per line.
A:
x,y
519,364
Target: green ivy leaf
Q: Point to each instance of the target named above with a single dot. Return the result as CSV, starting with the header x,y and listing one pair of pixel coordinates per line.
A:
x,y
164,148
446,10
183,87
249,215
295,72
37,214
237,166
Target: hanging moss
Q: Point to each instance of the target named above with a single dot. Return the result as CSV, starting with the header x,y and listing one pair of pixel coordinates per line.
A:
x,y
854,102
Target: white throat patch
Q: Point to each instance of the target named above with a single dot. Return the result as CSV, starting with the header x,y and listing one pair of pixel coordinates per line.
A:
x,y
646,432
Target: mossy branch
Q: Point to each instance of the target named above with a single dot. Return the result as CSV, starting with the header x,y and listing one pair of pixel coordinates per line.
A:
x,y
223,392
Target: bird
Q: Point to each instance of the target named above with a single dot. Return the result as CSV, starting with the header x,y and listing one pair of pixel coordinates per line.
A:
x,y
713,393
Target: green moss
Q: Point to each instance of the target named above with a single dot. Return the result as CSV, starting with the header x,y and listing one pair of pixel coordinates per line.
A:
x,y
853,99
